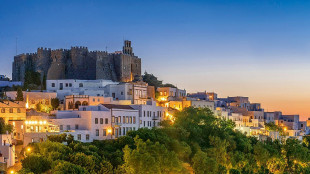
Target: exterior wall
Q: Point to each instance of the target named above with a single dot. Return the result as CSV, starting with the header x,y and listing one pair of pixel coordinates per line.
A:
x,y
33,98
12,110
169,93
74,101
136,92
7,149
150,115
79,63
10,83
77,87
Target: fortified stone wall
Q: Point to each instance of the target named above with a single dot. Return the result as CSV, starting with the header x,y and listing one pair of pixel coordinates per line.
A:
x,y
79,63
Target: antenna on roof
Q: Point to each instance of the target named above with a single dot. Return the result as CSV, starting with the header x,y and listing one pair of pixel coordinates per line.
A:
x,y
106,48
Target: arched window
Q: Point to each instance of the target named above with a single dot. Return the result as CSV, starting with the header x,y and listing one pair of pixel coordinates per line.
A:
x,y
3,110
85,103
18,110
77,104
11,110
81,85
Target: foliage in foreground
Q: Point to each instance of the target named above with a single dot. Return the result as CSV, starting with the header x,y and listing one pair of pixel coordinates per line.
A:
x,y
197,138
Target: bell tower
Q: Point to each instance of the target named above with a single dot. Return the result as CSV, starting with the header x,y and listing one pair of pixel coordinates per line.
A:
x,y
127,49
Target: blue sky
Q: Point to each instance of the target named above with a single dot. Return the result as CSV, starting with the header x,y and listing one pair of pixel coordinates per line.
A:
x,y
256,48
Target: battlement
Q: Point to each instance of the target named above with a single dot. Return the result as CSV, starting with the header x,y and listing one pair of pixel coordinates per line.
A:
x,y
77,62
79,48
44,49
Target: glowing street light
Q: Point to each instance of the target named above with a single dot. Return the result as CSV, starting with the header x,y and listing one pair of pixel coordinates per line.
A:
x,y
12,171
109,131
28,149
285,129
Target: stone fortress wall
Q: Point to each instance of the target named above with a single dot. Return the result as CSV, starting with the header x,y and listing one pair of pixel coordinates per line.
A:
x,y
79,63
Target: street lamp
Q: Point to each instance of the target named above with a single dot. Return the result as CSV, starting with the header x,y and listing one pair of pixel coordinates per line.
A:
x,y
12,171
110,132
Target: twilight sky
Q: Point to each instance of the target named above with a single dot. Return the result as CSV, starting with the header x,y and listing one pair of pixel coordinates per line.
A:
x,y
254,48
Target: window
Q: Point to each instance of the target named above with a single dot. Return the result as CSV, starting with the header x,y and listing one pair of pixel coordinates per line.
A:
x,y
84,109
94,100
18,110
143,123
61,127
130,120
106,121
124,119
11,110
67,84
53,85
2,110
122,93
124,131
143,113
68,127
79,137
70,85
120,131
104,132
113,95
87,137
301,125
134,120
120,119
97,132
76,126
96,120
81,85
113,119
101,120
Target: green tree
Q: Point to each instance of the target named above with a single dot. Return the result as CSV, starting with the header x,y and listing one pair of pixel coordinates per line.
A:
x,y
203,164
64,167
36,163
149,157
39,107
20,96
4,128
55,103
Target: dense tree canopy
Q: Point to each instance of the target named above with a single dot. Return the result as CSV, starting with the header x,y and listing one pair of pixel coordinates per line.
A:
x,y
197,141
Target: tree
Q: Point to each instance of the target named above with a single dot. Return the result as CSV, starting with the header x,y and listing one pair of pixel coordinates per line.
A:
x,y
203,164
32,80
20,96
152,80
64,167
149,157
36,163
55,103
4,128
39,107
58,138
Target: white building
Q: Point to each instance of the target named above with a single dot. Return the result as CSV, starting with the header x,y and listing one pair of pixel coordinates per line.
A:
x,y
136,92
7,150
170,93
77,87
150,115
100,122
